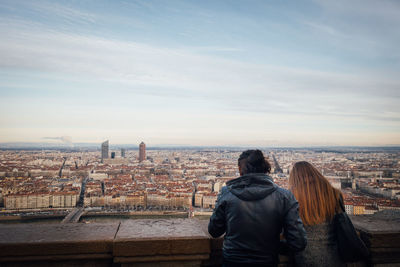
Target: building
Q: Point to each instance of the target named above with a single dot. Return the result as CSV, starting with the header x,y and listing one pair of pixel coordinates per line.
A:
x,y
104,150
358,210
142,152
113,155
198,199
122,152
349,209
209,200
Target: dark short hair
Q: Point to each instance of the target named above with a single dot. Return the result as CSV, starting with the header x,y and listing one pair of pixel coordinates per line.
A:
x,y
253,161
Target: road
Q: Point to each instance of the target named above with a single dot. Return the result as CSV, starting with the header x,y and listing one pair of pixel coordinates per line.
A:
x,y
82,194
73,216
277,167
76,213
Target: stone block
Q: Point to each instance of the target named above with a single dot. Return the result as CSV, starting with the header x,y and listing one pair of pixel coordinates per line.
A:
x,y
381,234
36,240
162,240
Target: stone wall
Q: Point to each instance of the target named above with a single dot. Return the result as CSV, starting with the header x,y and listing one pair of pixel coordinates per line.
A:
x,y
152,242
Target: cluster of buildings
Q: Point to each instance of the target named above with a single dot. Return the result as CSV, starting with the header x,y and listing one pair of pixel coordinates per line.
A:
x,y
162,179
180,179
369,180
35,181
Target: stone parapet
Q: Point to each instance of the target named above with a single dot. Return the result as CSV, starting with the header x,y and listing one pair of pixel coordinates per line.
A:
x,y
381,234
166,241
57,244
153,242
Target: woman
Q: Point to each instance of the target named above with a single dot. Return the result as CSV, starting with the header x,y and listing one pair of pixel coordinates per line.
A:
x,y
318,203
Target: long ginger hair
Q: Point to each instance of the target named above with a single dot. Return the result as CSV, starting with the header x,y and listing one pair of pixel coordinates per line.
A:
x,y
318,200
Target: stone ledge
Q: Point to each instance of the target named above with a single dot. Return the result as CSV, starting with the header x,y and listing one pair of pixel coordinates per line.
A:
x,y
161,246
158,258
56,239
162,240
159,242
56,257
381,234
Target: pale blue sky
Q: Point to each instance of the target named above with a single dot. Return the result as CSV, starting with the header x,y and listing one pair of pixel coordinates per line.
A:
x,y
263,73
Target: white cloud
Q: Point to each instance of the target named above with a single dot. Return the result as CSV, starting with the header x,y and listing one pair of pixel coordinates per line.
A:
x,y
234,98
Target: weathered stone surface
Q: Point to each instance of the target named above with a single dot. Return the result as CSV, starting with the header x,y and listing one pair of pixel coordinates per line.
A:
x,y
378,223
215,258
379,230
56,239
163,242
60,263
160,237
215,243
178,263
381,233
161,258
385,254
160,228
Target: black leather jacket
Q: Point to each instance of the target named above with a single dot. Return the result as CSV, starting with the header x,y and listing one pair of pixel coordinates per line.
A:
x,y
252,211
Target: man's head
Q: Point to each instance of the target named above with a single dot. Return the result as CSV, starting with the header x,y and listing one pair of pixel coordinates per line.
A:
x,y
253,161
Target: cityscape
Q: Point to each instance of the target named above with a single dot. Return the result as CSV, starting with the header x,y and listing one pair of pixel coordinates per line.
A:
x,y
122,122
180,182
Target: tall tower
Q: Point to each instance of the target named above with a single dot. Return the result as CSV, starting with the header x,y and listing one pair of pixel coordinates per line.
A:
x,y
142,152
122,152
104,150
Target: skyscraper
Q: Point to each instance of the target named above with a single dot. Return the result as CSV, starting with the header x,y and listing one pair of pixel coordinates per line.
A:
x,y
104,150
142,152
113,155
122,152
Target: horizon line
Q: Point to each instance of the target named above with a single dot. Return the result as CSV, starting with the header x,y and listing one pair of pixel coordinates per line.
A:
x,y
81,144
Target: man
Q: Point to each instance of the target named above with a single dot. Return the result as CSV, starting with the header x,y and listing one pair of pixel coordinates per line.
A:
x,y
252,211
